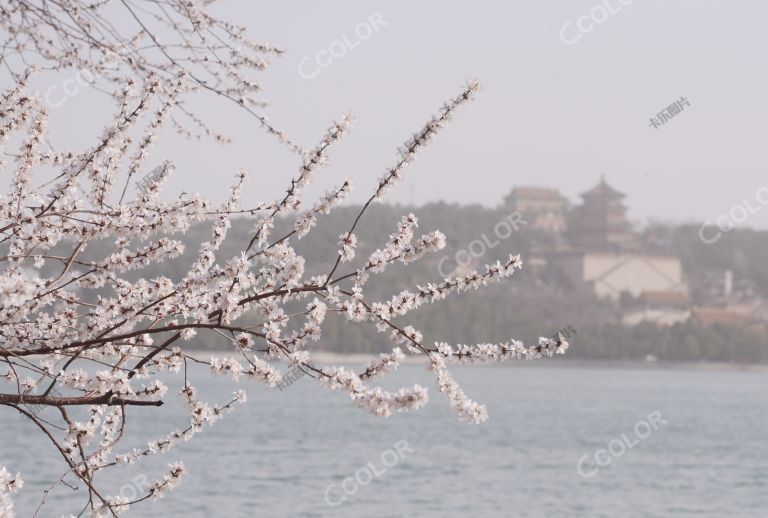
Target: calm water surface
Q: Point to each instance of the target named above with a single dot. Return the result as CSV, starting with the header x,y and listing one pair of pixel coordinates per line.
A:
x,y
277,455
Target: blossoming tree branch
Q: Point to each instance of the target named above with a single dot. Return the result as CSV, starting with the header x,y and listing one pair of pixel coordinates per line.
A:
x,y
77,335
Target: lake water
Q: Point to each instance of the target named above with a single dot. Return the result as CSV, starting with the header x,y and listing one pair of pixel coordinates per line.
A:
x,y
703,452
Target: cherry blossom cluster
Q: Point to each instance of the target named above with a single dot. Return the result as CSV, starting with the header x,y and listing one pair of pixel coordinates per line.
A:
x,y
153,39
79,334
9,484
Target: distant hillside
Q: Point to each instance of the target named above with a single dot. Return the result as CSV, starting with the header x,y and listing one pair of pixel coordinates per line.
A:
x,y
526,306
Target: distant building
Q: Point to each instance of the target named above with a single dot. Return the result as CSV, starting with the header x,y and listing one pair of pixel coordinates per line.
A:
x,y
600,222
660,317
707,316
594,243
603,252
610,274
663,308
664,299
543,208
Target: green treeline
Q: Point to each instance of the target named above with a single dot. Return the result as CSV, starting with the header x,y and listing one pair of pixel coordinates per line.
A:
x,y
534,302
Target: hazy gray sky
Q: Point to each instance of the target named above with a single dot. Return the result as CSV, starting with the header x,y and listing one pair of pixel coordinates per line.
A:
x,y
551,114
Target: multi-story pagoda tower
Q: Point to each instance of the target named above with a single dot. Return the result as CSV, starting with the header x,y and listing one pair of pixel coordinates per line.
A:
x,y
600,222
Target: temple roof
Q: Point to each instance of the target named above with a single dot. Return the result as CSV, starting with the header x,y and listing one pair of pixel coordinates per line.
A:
x,y
602,190
537,192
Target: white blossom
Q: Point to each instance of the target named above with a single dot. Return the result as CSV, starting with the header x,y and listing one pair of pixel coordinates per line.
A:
x,y
92,330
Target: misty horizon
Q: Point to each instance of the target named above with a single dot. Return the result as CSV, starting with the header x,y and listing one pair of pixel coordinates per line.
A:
x,y
551,113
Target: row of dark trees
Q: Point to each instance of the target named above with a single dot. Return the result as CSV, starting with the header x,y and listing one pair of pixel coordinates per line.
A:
x,y
534,303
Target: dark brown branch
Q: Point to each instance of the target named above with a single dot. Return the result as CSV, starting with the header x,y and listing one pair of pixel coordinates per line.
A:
x,y
18,399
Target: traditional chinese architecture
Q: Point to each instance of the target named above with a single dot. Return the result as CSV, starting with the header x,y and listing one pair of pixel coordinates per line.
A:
x,y
601,223
544,208
604,253
659,316
610,274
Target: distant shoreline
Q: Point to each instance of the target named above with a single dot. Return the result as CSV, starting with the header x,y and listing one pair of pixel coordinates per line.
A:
x,y
360,358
